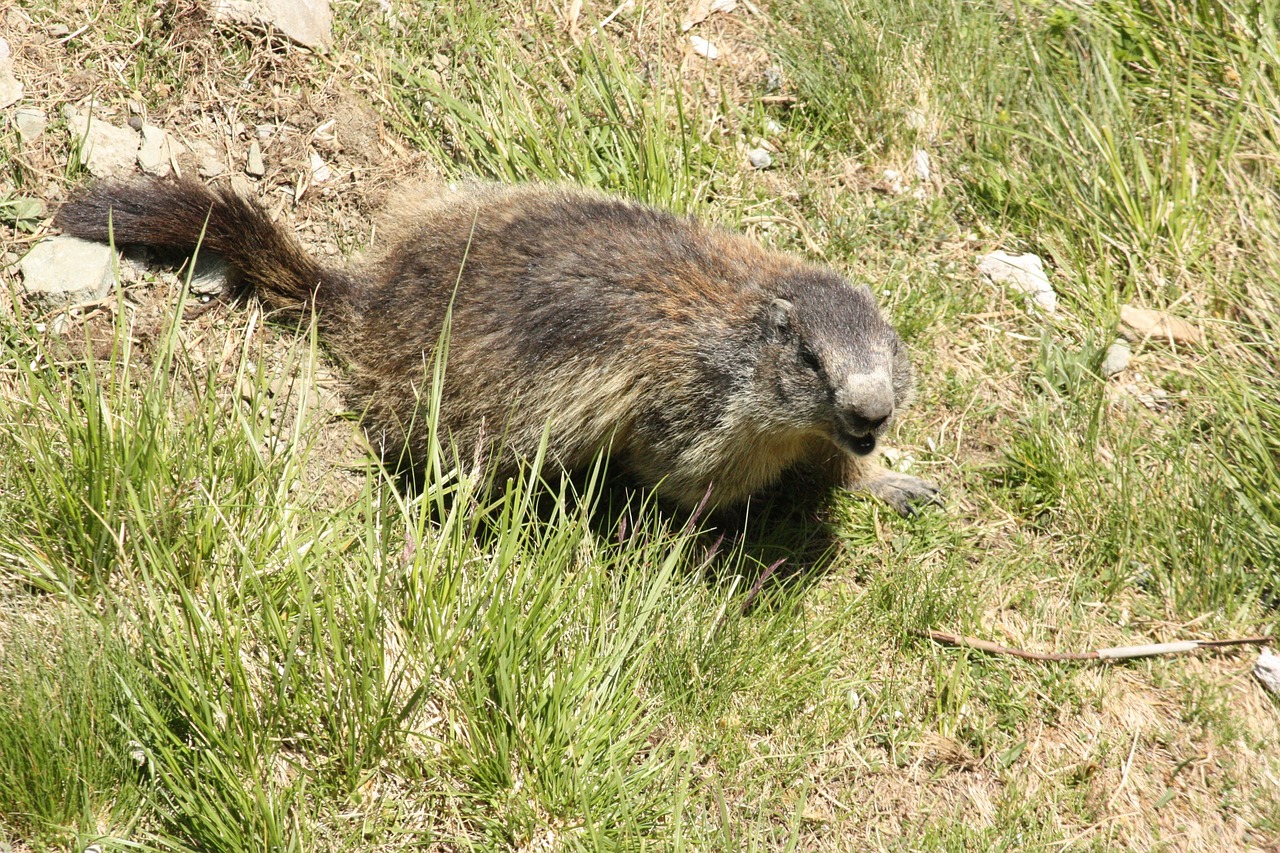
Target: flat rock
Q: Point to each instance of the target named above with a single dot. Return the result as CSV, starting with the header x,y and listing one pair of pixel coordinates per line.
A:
x,y
308,22
704,48
254,165
106,150
1022,273
66,270
1267,670
921,165
209,163
703,9
10,88
155,155
759,158
211,275
1142,324
1116,359
30,122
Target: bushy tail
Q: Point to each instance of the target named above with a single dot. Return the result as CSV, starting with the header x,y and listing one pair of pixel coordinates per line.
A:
x,y
184,214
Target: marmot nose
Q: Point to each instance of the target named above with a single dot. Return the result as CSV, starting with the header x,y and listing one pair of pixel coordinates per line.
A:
x,y
866,402
864,425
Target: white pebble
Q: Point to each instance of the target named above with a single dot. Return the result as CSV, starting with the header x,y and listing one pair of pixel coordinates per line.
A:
x,y
1267,670
702,47
759,158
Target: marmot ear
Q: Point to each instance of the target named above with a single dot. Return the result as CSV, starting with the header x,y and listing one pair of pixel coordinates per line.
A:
x,y
778,319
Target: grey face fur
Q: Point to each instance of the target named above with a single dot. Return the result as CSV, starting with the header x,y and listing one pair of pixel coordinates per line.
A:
x,y
832,363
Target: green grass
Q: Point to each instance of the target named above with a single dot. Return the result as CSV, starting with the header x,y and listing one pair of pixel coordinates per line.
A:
x,y
216,636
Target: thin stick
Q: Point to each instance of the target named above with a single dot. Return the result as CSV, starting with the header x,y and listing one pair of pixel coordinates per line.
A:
x,y
1115,653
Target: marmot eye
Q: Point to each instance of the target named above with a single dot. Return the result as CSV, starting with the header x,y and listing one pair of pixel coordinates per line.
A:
x,y
810,360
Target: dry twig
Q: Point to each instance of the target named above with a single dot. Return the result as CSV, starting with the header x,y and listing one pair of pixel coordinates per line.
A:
x,y
1115,653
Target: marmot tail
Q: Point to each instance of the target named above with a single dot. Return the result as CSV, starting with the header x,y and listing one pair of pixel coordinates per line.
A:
x,y
187,216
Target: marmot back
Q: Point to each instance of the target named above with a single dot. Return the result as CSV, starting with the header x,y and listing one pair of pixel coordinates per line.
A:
x,y
703,364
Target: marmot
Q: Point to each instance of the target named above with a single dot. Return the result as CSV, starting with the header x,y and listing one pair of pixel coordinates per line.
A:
x,y
704,365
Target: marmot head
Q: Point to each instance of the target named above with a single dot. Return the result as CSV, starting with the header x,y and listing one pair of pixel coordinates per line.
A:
x,y
830,363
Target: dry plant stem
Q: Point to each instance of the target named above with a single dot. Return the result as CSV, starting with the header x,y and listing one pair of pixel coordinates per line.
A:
x,y
759,585
1116,653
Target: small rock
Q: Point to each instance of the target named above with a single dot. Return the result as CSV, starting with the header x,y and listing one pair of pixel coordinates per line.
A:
x,y
759,158
255,166
10,88
211,275
703,9
65,270
704,48
209,162
31,123
1267,670
773,127
247,389
896,459
17,21
325,137
1117,358
1141,324
772,80
920,164
280,385
58,31
242,185
891,182
155,155
107,150
308,22
1156,399
320,171
1023,273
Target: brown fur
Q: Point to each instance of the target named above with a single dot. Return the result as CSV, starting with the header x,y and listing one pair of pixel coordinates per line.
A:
x,y
699,361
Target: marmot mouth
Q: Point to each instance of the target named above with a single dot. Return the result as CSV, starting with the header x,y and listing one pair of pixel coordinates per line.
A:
x,y
862,445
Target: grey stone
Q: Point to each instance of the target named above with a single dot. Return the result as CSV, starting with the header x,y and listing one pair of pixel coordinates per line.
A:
x,y
704,48
10,88
759,158
155,155
1022,273
308,22
891,182
211,275
31,123
255,166
1117,358
772,80
107,150
66,270
920,164
208,161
